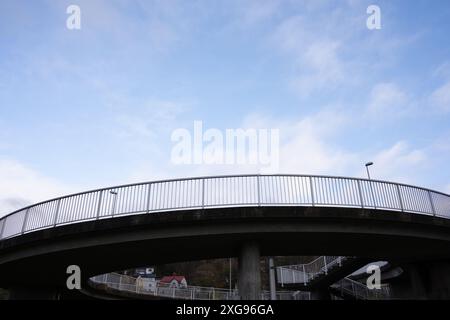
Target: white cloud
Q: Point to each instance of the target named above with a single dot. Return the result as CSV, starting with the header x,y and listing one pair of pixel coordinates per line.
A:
x,y
387,100
155,25
316,58
440,98
149,117
399,162
329,47
307,145
443,70
311,145
255,11
309,151
21,186
322,68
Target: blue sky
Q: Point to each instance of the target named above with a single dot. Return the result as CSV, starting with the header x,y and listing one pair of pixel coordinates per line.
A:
x,y
82,109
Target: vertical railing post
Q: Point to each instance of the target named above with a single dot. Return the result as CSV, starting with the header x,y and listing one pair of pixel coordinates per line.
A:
x,y
99,205
3,227
325,264
55,219
400,198
373,194
25,219
312,190
361,199
148,197
203,193
258,182
304,275
433,210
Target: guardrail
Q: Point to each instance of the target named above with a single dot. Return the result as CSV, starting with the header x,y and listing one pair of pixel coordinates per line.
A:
x,y
304,273
225,191
360,291
134,285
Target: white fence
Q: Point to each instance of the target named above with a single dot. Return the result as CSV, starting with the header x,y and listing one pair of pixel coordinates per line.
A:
x,y
134,285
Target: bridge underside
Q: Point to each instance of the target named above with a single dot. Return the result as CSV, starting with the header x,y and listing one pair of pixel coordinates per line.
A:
x,y
41,258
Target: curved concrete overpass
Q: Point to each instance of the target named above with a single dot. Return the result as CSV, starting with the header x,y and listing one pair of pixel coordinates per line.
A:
x,y
212,217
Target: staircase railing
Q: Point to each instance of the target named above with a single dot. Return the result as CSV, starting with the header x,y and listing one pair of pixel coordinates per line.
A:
x,y
304,273
360,291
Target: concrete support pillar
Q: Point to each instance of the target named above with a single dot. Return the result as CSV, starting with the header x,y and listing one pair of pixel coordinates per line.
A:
x,y
273,286
249,283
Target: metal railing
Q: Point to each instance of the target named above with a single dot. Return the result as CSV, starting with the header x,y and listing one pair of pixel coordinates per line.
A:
x,y
304,273
126,283
130,284
360,291
225,191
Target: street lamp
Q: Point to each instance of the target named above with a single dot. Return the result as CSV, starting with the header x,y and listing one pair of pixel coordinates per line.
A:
x,y
368,164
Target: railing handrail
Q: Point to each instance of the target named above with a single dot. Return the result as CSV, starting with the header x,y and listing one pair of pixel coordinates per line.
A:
x,y
296,266
319,265
315,187
221,177
363,287
233,293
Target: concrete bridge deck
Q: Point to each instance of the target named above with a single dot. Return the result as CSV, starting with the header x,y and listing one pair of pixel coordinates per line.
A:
x,y
215,217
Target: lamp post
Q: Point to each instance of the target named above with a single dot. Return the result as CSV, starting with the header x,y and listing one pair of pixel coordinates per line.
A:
x,y
368,164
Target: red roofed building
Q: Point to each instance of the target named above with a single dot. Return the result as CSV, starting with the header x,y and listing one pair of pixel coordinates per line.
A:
x,y
173,281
